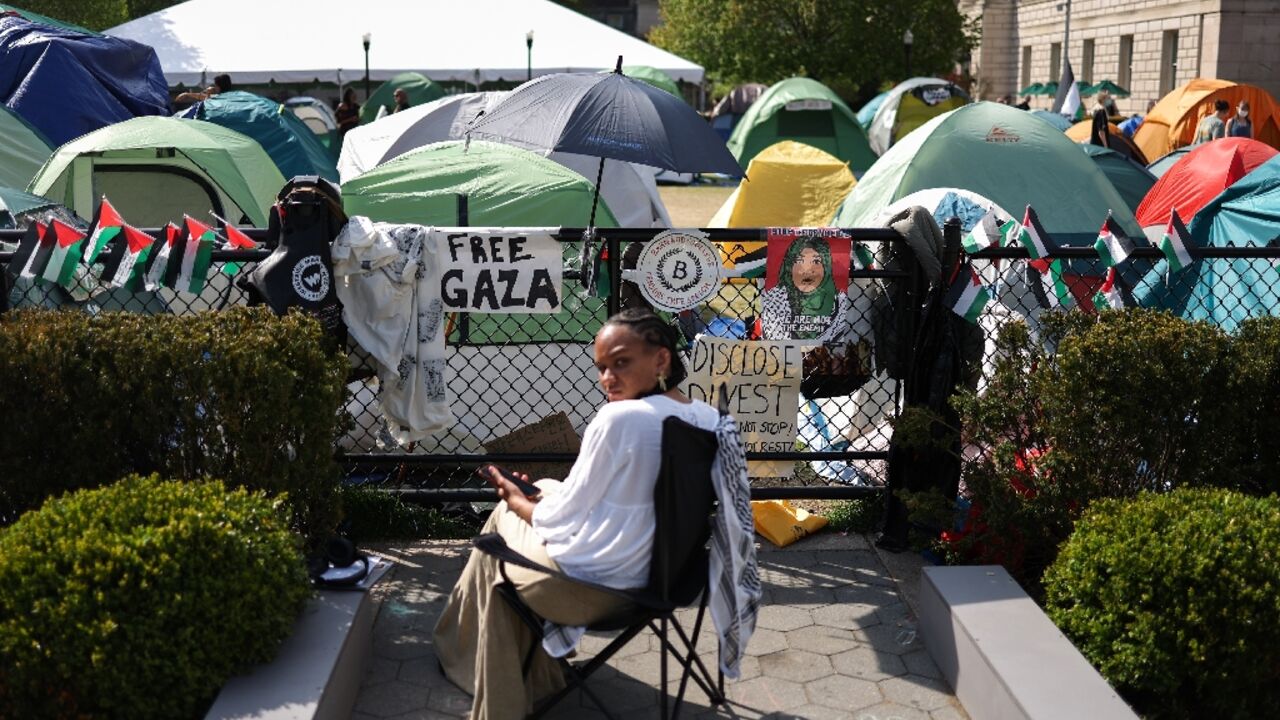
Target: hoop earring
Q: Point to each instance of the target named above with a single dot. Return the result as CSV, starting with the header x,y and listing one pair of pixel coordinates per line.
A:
x,y
662,382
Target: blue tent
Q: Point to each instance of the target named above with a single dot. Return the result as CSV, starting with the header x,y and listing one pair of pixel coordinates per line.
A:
x,y
1226,291
868,112
288,141
67,83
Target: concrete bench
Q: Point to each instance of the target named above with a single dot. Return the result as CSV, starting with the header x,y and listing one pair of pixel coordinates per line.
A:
x,y
1005,657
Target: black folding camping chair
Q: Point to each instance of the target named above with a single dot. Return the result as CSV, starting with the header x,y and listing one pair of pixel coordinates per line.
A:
x,y
683,502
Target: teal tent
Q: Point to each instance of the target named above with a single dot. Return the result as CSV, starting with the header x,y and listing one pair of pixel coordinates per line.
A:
x,y
1001,153
805,111
1226,291
1058,120
867,112
420,89
22,149
1130,179
17,206
1163,163
652,76
292,146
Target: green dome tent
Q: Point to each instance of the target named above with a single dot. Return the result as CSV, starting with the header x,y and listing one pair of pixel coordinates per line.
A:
x,y
1001,153
293,147
653,76
22,149
1130,178
805,111
156,168
417,86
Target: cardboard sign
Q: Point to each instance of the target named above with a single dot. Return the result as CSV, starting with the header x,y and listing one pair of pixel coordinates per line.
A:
x,y
510,270
762,382
551,434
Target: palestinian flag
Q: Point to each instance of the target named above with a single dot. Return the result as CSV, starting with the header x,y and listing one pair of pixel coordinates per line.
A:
x,y
196,257
1113,245
967,296
984,234
65,255
1033,237
236,240
33,268
750,265
862,257
22,264
123,266
1049,285
1176,244
158,262
1109,296
106,227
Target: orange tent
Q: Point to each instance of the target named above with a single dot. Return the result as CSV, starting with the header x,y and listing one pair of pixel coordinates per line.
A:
x,y
1121,144
1171,124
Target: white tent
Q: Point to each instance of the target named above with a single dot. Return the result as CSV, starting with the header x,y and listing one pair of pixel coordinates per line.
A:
x,y
629,190
475,41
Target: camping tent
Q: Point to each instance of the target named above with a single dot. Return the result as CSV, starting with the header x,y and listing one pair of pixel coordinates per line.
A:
x,y
67,83
154,169
651,75
629,190
806,111
730,109
419,89
790,184
22,149
1226,291
1001,153
867,112
1058,120
1121,144
318,118
290,143
909,105
1130,179
474,42
1172,122
1162,165
1200,176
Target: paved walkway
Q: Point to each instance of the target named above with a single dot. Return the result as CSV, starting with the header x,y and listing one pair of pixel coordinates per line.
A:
x,y
835,639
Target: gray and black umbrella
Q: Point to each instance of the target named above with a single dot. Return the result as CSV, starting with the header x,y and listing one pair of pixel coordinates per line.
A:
x,y
607,115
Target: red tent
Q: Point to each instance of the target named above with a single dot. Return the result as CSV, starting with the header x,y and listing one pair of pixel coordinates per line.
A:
x,y
1199,177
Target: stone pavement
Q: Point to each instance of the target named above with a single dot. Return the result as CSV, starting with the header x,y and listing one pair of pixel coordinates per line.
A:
x,y
834,639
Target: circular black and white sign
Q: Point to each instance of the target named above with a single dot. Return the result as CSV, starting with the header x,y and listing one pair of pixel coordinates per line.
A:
x,y
678,269
311,279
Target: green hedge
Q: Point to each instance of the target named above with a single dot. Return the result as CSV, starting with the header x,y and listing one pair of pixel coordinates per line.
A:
x,y
138,600
240,395
1175,599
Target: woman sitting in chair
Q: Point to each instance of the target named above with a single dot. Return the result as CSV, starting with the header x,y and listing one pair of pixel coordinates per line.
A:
x,y
597,526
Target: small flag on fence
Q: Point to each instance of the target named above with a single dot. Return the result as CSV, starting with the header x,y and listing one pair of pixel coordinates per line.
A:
x,y
122,267
967,296
1113,245
1050,286
196,257
1033,237
985,233
750,265
64,256
1176,244
23,262
862,257
158,263
1110,296
236,240
106,227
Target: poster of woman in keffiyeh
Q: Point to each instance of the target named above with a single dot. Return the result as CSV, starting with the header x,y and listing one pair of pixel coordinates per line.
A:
x,y
806,279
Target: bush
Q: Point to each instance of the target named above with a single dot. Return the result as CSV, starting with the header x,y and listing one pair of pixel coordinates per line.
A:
x,y
1254,390
138,600
370,515
241,395
1173,598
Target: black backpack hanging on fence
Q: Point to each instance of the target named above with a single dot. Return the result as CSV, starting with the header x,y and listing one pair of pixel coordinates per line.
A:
x,y
299,272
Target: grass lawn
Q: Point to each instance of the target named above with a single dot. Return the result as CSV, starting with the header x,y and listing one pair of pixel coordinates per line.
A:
x,y
691,206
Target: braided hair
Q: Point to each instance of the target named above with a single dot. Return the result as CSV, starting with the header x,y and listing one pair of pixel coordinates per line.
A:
x,y
656,332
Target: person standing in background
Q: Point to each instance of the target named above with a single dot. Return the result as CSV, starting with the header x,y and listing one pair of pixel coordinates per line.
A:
x,y
348,111
1213,126
1240,125
1099,132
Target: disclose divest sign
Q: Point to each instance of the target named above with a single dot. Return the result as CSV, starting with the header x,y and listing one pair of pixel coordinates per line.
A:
x,y
762,386
506,270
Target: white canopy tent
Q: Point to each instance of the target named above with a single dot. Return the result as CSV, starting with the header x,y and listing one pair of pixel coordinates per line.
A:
x,y
474,41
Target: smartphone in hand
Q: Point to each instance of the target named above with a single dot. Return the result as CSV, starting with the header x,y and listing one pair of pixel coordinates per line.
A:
x,y
528,488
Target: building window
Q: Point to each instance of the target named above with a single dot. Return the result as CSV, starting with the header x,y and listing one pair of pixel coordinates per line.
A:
x,y
1168,61
1055,61
1026,65
1086,62
1124,73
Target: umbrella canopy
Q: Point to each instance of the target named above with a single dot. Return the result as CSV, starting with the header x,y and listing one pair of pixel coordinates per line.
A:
x,y
1172,122
1114,89
1032,89
806,111
1130,178
1199,177
292,146
417,86
1226,291
911,104
653,76
606,115
22,149
1001,153
1058,120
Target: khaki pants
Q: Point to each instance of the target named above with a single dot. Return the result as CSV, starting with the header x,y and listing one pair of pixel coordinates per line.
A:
x,y
481,641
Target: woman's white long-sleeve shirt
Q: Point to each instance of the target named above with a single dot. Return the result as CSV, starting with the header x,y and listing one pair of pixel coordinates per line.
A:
x,y
599,527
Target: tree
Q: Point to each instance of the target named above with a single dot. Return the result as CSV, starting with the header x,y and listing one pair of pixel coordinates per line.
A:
x,y
96,14
852,46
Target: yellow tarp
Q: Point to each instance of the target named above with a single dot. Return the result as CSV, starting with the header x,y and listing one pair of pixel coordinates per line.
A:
x,y
789,184
1171,124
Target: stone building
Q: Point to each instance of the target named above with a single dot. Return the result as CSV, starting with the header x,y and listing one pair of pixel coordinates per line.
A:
x,y
1147,46
635,17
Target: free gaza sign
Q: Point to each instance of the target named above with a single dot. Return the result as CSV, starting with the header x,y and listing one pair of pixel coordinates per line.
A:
x,y
499,270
